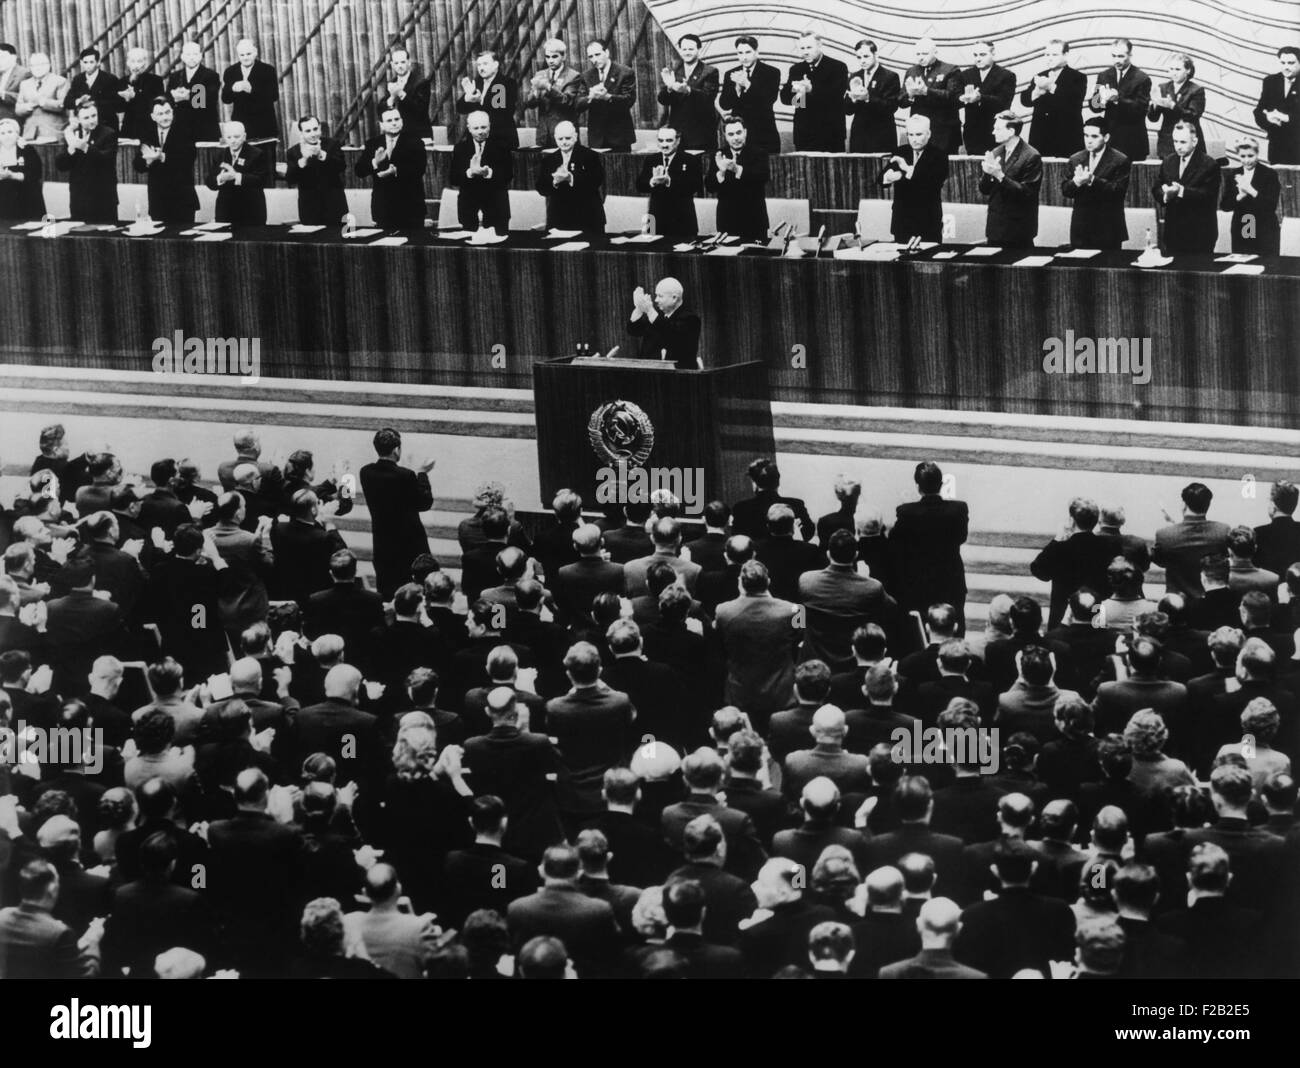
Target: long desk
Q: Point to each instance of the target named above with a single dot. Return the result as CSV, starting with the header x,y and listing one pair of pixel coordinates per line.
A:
x,y
827,182
966,332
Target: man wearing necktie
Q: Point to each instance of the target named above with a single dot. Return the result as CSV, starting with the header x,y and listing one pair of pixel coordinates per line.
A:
x,y
572,179
195,93
738,175
815,89
408,91
611,94
1097,182
166,158
986,90
12,75
1188,188
1056,95
396,160
314,167
555,93
666,329
673,179
40,100
750,91
251,88
98,84
1123,95
933,88
137,93
240,176
488,91
1013,173
687,95
872,99
89,156
482,171
1278,110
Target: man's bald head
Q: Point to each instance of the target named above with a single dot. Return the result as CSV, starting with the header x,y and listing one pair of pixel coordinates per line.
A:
x,y
343,681
828,724
668,295
478,123
246,676
1015,811
938,922
884,887
820,797
587,539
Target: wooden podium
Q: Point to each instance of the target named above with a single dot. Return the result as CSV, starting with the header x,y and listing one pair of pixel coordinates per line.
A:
x,y
595,413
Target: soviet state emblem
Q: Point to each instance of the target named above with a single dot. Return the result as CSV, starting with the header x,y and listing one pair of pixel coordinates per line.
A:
x,y
622,431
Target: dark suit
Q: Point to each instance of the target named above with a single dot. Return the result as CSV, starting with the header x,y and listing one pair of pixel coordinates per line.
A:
x,y
396,496
321,200
940,104
1179,548
1189,106
576,585
1284,140
149,918
742,201
767,808
673,205
728,899
609,120
997,89
302,559
804,844
256,109
254,873
586,925
1255,226
34,945
918,205
9,90
745,854
489,194
1277,544
882,938
1223,940
481,876
1013,201
1080,560
92,176
659,695
1056,128
819,121
80,628
873,128
200,115
558,103
758,637
673,337
242,203
706,960
1191,222
349,610
103,93
514,766
967,809
1097,220
136,116
638,854
931,698
577,204
413,105
754,104
1128,111
595,730
786,560
1015,930
340,730
692,113
24,201
930,964
928,535
781,938
749,517
499,100
397,200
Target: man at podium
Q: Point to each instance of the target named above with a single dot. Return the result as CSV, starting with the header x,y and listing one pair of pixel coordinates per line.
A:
x,y
667,331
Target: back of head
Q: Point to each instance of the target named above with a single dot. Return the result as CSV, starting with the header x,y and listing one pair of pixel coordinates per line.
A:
x,y
1110,828
1101,945
912,797
683,903
342,682
543,957
561,862
703,770
812,681
1208,868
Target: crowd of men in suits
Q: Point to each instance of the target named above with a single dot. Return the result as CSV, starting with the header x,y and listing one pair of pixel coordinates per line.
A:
x,y
643,747
948,110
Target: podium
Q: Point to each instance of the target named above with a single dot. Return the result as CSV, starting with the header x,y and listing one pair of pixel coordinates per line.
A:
x,y
623,415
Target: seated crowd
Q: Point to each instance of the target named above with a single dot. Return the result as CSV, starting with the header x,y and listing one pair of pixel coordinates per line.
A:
x,y
636,747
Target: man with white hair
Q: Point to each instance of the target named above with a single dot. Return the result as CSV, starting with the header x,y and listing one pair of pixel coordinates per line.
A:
x,y
338,728
939,924
137,93
481,169
667,331
240,176
815,89
195,93
777,934
917,171
40,99
555,91
252,88
572,179
934,89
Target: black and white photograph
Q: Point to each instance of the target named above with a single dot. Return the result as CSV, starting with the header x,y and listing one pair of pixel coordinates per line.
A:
x,y
650,489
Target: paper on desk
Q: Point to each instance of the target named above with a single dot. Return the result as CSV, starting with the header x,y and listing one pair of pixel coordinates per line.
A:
x,y
1078,254
684,246
1245,268
983,250
28,226
1236,257
210,236
303,228
571,246
946,255
396,239
725,250
367,232
212,226
455,235
553,234
635,239
1033,261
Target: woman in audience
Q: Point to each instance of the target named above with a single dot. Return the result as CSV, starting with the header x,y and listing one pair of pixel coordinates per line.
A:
x,y
1153,772
22,198
117,813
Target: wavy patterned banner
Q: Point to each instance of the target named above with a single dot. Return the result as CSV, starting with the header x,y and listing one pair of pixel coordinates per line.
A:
x,y
1233,46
